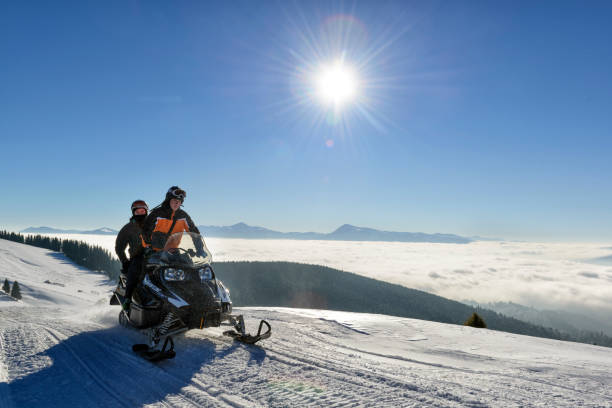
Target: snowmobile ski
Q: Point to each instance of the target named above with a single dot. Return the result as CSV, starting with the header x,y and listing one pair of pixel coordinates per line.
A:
x,y
243,337
152,354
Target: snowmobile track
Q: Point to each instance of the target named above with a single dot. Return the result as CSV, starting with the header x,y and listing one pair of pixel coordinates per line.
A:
x,y
396,391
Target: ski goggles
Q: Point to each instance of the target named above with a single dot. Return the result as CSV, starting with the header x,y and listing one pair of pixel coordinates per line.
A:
x,y
178,193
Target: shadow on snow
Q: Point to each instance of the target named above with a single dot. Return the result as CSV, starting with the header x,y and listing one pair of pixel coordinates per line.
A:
x,y
98,369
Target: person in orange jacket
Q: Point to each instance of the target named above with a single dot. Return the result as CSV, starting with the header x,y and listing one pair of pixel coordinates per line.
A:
x,y
167,219
163,221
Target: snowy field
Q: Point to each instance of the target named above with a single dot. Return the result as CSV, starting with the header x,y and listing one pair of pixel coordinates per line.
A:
x,y
554,276
61,347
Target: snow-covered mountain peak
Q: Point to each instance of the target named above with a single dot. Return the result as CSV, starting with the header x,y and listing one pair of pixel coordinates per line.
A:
x,y
106,229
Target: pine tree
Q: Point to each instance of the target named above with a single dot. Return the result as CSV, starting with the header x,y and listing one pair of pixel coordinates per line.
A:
x,y
15,291
475,321
7,286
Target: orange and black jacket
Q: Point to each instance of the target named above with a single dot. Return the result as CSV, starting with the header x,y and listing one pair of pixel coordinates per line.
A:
x,y
159,222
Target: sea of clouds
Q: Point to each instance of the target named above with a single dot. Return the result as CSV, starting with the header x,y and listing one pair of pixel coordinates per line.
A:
x,y
558,276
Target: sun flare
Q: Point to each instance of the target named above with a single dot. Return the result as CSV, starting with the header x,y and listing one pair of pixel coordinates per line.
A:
x,y
336,84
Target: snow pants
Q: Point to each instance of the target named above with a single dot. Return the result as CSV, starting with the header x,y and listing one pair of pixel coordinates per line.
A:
x,y
134,275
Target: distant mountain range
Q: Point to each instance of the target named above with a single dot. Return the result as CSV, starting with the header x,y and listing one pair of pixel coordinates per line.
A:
x,y
344,233
50,230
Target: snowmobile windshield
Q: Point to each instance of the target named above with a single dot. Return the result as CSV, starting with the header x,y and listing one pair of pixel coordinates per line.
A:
x,y
185,249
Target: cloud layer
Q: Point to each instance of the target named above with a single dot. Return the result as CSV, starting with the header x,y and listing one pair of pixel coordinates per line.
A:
x,y
541,275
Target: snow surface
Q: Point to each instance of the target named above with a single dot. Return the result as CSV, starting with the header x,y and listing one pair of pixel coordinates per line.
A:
x,y
61,346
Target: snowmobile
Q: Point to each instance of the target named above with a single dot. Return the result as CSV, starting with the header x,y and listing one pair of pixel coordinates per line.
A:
x,y
180,292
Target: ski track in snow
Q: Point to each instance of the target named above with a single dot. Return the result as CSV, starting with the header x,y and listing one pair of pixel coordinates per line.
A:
x,y
61,346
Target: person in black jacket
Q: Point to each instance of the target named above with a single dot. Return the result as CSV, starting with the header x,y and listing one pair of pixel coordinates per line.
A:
x,y
129,235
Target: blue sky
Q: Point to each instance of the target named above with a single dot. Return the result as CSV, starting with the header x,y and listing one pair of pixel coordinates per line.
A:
x,y
488,118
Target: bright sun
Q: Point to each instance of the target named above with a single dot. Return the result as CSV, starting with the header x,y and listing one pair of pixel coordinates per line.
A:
x,y
336,84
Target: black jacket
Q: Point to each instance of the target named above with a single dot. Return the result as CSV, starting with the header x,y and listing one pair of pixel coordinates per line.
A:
x,y
129,235
158,223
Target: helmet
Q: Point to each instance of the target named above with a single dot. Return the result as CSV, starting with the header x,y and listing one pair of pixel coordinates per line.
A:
x,y
176,192
139,204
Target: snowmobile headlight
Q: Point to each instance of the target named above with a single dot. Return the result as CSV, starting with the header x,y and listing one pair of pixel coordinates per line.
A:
x,y
172,274
205,274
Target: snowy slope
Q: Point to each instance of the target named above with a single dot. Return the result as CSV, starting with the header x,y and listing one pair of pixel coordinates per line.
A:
x,y
61,346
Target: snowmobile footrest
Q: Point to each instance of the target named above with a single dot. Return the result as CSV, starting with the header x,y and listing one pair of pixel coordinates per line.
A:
x,y
152,354
249,339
